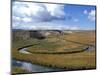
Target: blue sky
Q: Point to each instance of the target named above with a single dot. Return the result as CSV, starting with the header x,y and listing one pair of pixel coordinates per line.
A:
x,y
28,15
78,12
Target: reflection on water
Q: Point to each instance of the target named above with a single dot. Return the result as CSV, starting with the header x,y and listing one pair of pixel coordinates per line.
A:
x,y
31,67
24,50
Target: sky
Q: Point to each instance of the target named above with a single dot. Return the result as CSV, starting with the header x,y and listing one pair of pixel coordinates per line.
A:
x,y
47,16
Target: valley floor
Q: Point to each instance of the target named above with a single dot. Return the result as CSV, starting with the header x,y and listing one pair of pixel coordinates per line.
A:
x,y
65,52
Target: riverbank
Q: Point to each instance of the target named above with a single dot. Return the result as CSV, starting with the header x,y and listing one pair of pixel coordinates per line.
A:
x,y
29,67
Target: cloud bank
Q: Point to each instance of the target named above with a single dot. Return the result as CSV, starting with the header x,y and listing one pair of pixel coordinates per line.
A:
x,y
28,12
25,14
44,26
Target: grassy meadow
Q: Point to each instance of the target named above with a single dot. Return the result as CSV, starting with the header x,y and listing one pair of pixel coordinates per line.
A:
x,y
58,51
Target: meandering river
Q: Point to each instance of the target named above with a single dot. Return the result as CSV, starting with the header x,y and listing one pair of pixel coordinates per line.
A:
x,y
37,68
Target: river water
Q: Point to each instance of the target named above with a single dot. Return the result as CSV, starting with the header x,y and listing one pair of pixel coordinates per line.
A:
x,y
24,50
32,67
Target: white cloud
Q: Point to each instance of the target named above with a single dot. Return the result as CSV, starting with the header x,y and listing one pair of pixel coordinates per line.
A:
x,y
27,19
91,15
74,28
38,12
38,16
24,12
56,10
85,12
44,26
15,18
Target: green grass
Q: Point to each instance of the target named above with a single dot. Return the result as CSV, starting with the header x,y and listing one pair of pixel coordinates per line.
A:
x,y
18,70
